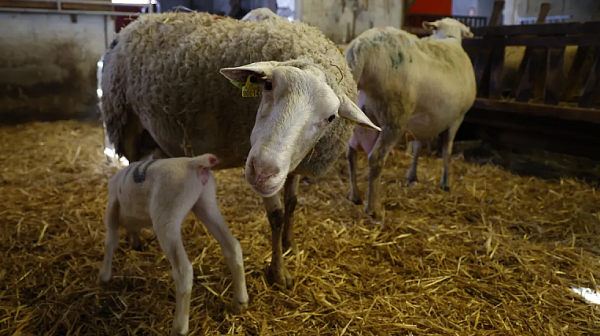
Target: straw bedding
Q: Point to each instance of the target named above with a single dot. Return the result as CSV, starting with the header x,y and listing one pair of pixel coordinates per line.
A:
x,y
495,256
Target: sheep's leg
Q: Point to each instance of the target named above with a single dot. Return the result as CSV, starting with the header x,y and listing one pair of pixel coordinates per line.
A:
x,y
168,233
289,201
111,222
276,273
352,158
208,212
448,141
387,139
411,177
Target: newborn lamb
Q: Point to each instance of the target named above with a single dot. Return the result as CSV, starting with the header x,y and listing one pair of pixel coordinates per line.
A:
x,y
160,193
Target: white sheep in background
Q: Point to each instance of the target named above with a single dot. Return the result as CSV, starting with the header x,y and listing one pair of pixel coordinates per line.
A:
x,y
414,89
258,14
160,193
168,76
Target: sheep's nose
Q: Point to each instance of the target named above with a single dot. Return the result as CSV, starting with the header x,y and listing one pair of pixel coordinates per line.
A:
x,y
262,171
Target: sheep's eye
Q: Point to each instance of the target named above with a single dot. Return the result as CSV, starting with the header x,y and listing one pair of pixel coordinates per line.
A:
x,y
268,86
331,117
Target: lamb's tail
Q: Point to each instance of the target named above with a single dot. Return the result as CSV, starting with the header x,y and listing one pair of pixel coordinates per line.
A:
x,y
201,166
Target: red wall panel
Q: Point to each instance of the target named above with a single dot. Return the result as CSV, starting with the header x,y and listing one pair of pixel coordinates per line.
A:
x,y
439,7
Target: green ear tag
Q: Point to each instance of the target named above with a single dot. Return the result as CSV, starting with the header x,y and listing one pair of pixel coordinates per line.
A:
x,y
237,84
251,88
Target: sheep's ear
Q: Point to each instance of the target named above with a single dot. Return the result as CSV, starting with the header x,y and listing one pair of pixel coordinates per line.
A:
x,y
262,70
430,25
466,32
350,111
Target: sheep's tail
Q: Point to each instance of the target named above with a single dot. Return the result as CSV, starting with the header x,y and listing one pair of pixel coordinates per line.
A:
x,y
355,56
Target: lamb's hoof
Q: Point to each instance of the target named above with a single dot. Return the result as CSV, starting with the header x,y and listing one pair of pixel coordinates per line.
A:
x,y
445,187
138,247
356,200
240,306
282,279
102,280
176,333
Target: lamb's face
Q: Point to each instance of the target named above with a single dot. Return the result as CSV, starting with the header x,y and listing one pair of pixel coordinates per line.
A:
x,y
297,107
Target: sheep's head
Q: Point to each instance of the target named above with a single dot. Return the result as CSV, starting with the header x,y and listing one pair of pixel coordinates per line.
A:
x,y
448,28
297,107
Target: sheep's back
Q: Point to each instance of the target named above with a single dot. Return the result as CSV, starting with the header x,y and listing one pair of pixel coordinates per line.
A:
x,y
172,62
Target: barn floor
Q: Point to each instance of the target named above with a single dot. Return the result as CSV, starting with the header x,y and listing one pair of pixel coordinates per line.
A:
x,y
498,255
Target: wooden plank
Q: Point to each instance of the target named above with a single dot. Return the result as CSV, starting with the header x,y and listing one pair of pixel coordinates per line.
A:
x,y
496,72
533,66
496,12
554,75
571,28
543,13
561,112
480,68
575,73
535,41
102,5
591,90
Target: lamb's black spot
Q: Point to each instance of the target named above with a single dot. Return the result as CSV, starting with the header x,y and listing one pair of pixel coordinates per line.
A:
x,y
113,43
139,172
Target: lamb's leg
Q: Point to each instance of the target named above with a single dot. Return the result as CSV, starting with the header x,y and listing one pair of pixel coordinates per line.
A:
x,y
411,177
208,212
289,201
351,157
387,139
448,141
111,222
276,273
168,233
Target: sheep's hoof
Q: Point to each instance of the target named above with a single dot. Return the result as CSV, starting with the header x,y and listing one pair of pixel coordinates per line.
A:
x,y
412,181
290,246
176,333
355,199
445,187
281,278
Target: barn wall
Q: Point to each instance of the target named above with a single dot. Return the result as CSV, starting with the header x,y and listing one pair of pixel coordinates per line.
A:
x,y
48,65
581,10
334,17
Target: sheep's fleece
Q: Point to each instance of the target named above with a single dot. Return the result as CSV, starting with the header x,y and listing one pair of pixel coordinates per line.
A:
x,y
164,70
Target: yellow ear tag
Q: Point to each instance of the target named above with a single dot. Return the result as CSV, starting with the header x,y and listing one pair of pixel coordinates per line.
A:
x,y
251,89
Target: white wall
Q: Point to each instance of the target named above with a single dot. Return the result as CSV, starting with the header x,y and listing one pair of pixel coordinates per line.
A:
x,y
48,64
334,17
581,10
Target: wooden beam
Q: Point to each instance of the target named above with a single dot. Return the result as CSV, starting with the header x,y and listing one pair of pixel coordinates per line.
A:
x,y
496,12
583,28
543,13
541,110
535,41
554,75
591,90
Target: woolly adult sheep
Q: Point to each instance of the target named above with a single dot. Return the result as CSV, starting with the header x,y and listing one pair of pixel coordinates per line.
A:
x,y
164,77
262,13
415,89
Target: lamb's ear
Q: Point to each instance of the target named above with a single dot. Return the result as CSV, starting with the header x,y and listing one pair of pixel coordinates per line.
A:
x,y
430,25
262,70
350,111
